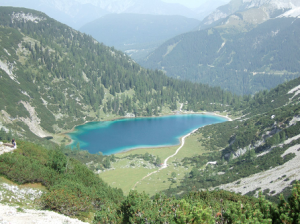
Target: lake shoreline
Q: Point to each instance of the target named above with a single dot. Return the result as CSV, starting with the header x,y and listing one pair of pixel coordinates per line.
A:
x,y
65,134
181,138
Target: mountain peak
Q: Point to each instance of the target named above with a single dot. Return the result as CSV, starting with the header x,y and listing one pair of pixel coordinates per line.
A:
x,y
294,12
265,8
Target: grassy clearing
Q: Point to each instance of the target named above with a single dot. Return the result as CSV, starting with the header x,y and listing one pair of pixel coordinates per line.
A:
x,y
163,179
191,147
125,176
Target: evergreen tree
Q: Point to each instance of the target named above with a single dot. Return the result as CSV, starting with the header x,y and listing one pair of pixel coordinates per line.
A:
x,y
158,161
106,163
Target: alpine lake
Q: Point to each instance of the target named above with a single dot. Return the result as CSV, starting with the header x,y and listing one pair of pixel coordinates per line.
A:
x,y
111,137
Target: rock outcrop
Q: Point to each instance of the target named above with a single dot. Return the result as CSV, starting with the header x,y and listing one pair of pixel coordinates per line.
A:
x,y
4,148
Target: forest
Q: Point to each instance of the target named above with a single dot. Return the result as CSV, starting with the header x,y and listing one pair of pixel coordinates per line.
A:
x,y
69,76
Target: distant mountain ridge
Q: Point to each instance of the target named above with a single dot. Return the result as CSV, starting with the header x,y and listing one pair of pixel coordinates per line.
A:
x,y
77,13
209,6
137,34
263,8
248,51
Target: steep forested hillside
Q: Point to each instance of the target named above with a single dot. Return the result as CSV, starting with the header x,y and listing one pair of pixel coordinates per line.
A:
x,y
236,57
53,77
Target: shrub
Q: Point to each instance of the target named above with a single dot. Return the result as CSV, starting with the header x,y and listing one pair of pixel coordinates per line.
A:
x,y
197,213
57,160
21,169
68,198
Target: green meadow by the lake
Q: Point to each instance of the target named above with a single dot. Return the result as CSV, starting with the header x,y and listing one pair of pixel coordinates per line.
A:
x,y
125,176
141,146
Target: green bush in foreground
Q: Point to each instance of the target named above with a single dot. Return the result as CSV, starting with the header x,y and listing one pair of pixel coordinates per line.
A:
x,y
202,207
74,190
68,198
290,210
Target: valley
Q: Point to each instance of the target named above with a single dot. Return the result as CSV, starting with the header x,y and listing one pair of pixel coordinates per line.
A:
x,y
135,34
128,166
248,42
54,78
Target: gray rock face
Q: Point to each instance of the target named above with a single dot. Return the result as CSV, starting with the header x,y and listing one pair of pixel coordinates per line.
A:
x,y
268,7
4,149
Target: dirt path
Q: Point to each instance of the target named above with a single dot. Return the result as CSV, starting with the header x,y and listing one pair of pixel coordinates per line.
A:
x,y
181,105
165,164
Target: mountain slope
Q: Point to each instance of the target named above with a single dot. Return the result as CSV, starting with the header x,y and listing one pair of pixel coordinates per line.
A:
x,y
252,11
137,34
209,7
53,78
258,59
71,189
257,152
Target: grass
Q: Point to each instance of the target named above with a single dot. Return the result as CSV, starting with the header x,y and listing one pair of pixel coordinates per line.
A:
x,y
162,180
125,176
36,186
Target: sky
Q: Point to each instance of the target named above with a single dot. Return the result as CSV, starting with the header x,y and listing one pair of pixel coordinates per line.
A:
x,y
187,3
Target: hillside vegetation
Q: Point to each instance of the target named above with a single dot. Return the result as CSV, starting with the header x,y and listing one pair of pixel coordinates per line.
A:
x,y
265,138
254,143
235,57
53,78
75,191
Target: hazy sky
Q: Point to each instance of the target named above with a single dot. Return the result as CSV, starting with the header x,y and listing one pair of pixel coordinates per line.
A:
x,y
188,3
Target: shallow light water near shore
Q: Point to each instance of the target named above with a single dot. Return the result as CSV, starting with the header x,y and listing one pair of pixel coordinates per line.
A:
x,y
111,137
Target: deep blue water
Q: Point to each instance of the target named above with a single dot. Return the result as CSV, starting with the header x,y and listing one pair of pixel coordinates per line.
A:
x,y
111,137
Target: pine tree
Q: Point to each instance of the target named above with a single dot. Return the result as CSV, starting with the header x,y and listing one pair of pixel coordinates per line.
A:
x,y
158,161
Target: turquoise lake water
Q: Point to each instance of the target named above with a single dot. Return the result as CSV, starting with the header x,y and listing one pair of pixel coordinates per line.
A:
x,y
111,137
